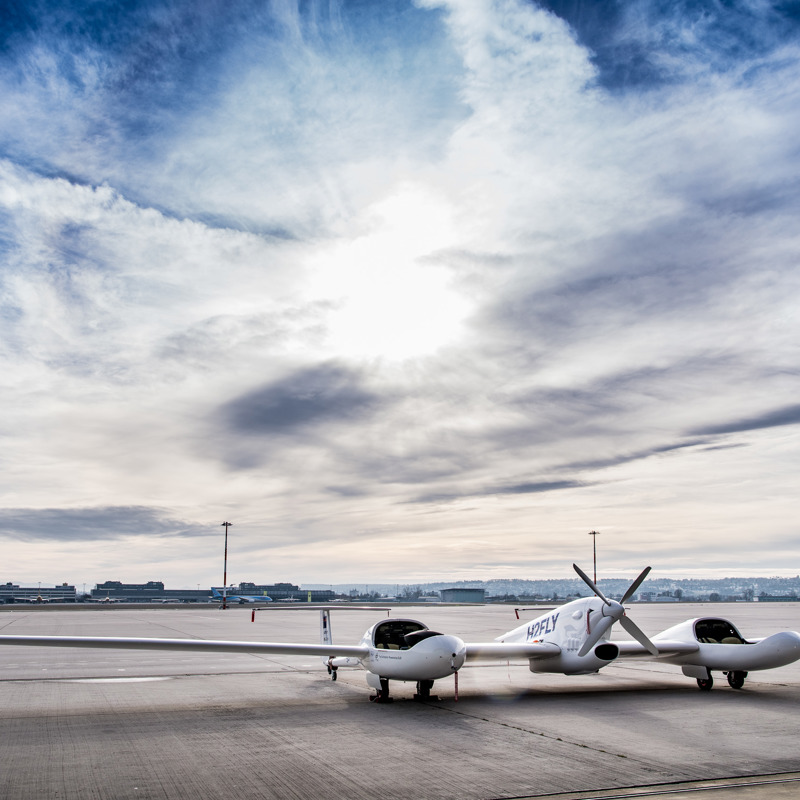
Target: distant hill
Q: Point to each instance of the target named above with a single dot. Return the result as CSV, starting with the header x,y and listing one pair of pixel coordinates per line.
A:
x,y
683,588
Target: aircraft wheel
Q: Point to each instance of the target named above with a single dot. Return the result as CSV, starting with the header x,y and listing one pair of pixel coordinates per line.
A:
x,y
705,683
736,679
383,693
333,673
423,690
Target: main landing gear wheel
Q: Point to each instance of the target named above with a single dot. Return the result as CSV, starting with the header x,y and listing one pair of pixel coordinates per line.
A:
x,y
736,679
424,690
705,683
383,693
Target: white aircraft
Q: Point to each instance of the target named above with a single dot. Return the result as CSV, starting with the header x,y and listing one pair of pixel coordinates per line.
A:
x,y
106,599
28,599
573,639
241,599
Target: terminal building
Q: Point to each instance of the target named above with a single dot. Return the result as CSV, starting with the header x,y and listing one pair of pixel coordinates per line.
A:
x,y
150,592
281,592
12,593
154,592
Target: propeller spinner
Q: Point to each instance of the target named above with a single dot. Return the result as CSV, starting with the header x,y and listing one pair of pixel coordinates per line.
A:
x,y
612,612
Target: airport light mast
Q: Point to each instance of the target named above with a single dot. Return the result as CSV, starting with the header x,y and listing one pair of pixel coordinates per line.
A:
x,y
594,535
225,525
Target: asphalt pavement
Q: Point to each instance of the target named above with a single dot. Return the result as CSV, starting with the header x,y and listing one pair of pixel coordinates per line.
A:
x,y
110,724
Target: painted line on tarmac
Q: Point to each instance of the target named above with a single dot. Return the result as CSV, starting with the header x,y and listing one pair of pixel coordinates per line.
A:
x,y
114,680
662,790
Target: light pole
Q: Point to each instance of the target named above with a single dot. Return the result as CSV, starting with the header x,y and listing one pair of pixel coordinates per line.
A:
x,y
594,535
226,525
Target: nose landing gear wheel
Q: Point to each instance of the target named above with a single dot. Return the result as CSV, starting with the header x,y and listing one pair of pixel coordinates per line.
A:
x,y
705,683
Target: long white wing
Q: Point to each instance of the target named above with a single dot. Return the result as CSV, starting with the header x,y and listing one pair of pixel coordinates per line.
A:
x,y
504,650
196,645
634,649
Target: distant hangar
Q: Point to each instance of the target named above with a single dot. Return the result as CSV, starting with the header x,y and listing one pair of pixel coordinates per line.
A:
x,y
463,595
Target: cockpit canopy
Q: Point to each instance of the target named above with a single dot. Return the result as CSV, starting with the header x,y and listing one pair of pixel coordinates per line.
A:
x,y
717,631
400,634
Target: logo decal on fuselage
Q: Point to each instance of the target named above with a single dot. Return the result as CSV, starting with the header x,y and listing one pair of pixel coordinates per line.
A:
x,y
542,626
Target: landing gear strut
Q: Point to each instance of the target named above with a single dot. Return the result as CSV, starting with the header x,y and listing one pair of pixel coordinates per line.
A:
x,y
424,690
332,671
736,679
383,693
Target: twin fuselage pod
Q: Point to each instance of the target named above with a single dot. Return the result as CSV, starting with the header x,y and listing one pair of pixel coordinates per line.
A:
x,y
401,650
720,647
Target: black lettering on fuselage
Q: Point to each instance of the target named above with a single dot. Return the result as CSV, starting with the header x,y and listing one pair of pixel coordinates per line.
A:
x,y
543,626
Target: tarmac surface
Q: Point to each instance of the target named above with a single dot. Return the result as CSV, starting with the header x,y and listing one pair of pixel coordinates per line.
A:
x,y
108,724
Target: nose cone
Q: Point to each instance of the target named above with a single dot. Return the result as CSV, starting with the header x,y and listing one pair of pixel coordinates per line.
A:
x,y
458,652
614,610
441,655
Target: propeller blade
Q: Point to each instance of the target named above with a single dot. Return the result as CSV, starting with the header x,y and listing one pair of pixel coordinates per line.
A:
x,y
590,583
635,585
634,630
594,637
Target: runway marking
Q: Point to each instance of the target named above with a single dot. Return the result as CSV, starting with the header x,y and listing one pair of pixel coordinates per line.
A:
x,y
114,680
175,676
659,791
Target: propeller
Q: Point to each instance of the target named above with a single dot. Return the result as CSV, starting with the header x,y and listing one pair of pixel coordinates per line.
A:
x,y
612,612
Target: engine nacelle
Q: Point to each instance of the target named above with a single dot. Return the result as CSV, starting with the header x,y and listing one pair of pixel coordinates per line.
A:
x,y
570,663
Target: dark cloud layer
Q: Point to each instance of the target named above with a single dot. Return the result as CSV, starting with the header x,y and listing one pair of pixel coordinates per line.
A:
x,y
532,487
86,524
788,415
327,393
625,458
636,43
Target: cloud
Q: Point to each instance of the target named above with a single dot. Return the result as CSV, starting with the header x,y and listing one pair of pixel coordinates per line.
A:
x,y
89,524
645,44
624,458
307,265
328,393
196,113
787,415
534,487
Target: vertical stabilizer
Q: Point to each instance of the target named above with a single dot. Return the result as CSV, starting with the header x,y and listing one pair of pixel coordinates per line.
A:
x,y
325,633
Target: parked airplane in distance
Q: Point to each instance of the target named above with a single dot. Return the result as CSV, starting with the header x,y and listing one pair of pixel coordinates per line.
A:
x,y
106,599
240,598
573,639
28,599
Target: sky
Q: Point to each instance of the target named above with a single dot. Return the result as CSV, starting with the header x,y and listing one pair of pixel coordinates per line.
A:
x,y
406,291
